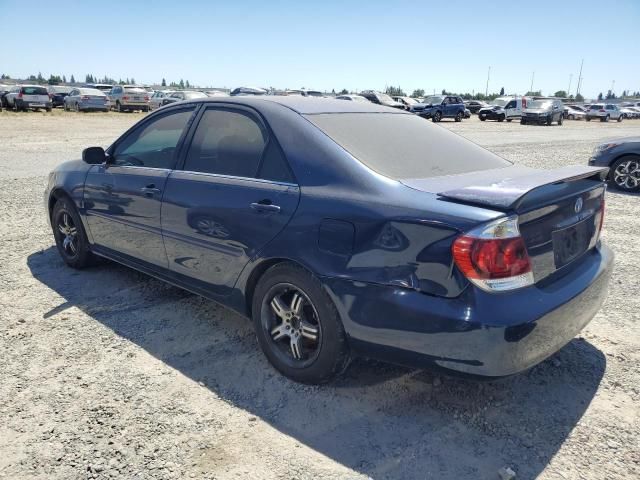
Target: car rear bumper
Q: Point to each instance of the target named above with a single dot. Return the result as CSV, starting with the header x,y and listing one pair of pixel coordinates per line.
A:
x,y
490,115
29,104
478,333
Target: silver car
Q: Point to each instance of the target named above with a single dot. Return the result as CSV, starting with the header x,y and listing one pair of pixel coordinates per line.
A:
x,y
183,95
158,97
86,99
604,112
129,98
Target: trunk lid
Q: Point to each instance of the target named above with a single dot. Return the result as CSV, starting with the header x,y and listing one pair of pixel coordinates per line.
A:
x,y
559,211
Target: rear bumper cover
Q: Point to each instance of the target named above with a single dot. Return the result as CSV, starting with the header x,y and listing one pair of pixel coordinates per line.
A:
x,y
478,333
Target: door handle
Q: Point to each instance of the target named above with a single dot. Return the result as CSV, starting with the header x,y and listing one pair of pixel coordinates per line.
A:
x,y
150,190
263,206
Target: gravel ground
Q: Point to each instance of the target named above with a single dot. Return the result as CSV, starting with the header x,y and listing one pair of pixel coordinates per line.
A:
x,y
107,373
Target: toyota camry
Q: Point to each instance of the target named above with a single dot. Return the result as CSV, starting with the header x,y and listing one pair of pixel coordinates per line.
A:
x,y
343,229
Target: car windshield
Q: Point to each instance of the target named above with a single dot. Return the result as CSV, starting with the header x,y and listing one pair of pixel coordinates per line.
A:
x,y
539,104
433,100
91,91
194,95
34,91
410,101
383,97
596,107
500,102
313,93
404,146
135,90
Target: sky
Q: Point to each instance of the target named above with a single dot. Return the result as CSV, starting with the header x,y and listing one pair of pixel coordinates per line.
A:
x,y
327,45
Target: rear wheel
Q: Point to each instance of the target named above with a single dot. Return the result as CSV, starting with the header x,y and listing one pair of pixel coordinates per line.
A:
x,y
482,118
625,173
509,120
560,120
523,121
588,119
549,119
501,118
70,236
458,117
119,107
619,118
298,326
77,107
437,117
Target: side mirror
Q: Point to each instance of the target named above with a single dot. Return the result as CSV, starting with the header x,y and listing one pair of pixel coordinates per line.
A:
x,y
94,155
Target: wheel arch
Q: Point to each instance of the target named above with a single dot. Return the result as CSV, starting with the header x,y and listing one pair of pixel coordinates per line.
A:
x,y
55,195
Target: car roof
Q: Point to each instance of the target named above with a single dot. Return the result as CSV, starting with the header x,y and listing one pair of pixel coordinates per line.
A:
x,y
306,105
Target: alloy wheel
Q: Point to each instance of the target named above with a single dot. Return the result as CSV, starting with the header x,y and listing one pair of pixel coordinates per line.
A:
x,y
627,175
69,233
292,324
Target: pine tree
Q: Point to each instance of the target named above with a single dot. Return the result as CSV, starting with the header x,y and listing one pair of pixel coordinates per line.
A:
x,y
344,91
164,82
187,84
181,83
64,79
133,81
72,80
502,91
600,96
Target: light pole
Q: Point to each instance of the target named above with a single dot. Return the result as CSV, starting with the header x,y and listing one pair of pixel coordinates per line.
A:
x,y
486,90
569,89
533,74
579,78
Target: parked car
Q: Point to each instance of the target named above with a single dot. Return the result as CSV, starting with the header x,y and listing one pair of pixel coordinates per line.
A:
x,y
380,98
503,108
543,111
105,87
467,113
183,95
353,98
475,105
244,91
408,102
127,98
305,93
636,110
155,101
343,228
86,99
216,93
4,89
438,107
57,94
604,112
28,97
622,156
574,112
627,112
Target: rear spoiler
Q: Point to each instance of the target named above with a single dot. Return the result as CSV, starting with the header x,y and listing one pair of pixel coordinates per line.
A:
x,y
509,191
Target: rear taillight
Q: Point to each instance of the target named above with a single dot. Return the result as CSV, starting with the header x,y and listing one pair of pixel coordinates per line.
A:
x,y
125,98
20,95
601,216
524,103
601,110
494,256
146,99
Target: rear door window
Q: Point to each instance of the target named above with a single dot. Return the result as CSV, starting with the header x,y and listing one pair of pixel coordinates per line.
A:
x,y
226,142
34,91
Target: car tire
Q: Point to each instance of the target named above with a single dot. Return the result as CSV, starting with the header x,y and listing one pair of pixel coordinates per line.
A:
x,y
606,119
571,117
523,121
482,118
549,119
560,120
48,109
436,117
72,244
76,108
588,119
509,120
458,117
621,176
119,107
619,118
306,341
501,118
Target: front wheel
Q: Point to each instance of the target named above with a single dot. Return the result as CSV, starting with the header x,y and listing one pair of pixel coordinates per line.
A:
x,y
588,119
501,118
619,118
70,236
436,117
298,326
625,173
560,120
458,117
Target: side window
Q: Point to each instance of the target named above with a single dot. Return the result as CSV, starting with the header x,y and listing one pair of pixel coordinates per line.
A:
x,y
154,143
274,166
511,104
226,142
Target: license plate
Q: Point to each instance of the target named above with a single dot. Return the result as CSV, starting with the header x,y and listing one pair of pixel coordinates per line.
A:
x,y
137,98
571,242
36,105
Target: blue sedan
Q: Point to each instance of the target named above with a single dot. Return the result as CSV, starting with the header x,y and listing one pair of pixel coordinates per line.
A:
x,y
343,229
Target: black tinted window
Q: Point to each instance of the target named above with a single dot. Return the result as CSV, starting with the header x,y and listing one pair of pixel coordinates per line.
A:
x,y
34,91
226,143
405,146
153,144
274,166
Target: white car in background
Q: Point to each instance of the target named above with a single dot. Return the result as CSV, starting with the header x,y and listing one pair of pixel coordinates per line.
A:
x,y
353,98
28,97
604,112
574,112
155,101
628,112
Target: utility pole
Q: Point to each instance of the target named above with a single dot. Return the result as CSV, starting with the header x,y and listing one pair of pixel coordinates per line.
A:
x,y
579,78
613,84
533,74
569,89
486,90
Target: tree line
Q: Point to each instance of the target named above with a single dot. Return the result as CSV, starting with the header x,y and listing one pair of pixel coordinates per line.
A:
x,y
90,78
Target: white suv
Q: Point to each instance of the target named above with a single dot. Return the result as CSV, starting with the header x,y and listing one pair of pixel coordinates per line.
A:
x,y
26,97
129,98
604,112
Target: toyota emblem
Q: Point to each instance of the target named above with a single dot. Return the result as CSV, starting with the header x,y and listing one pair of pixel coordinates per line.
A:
x,y
578,206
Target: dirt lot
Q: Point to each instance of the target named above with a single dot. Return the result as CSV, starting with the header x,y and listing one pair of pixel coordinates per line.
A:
x,y
107,373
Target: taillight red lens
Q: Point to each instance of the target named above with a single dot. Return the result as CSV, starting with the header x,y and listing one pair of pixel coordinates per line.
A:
x,y
20,95
146,99
125,98
488,259
601,110
494,256
601,213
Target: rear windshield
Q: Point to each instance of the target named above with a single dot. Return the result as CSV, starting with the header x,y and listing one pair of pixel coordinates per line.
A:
x,y
91,91
195,95
596,107
34,91
134,90
60,89
404,146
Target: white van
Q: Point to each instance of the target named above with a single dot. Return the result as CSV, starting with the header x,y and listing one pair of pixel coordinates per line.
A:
x,y
503,108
